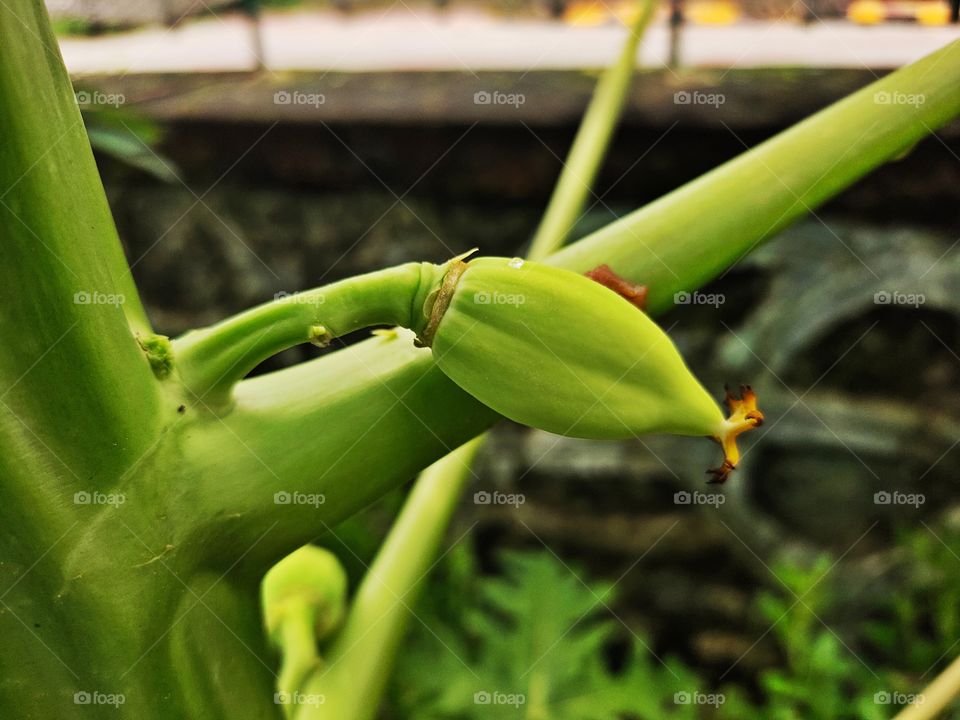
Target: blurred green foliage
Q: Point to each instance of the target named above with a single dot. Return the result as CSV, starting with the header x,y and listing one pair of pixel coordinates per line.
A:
x,y
130,139
541,630
537,637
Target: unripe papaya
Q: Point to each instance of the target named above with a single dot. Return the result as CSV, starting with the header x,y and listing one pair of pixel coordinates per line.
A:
x,y
312,578
555,350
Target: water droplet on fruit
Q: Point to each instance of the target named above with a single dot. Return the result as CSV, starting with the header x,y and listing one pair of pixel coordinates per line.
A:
x,y
516,263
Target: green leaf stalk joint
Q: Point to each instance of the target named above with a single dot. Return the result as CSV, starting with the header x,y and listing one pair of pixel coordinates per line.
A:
x,y
566,353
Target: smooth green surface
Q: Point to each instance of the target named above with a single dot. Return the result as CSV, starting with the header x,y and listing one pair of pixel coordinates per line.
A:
x,y
556,350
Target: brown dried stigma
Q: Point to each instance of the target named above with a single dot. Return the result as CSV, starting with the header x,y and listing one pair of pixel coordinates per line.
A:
x,y
635,294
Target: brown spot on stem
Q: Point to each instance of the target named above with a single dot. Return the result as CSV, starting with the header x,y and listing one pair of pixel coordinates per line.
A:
x,y
635,294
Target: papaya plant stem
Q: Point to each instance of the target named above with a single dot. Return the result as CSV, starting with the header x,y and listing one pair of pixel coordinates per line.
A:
x,y
65,290
937,696
694,233
212,360
297,638
590,144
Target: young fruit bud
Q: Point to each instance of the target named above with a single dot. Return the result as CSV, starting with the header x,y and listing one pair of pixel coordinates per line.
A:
x,y
557,351
309,580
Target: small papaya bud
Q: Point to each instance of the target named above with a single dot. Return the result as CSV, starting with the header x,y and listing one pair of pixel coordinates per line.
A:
x,y
310,579
555,350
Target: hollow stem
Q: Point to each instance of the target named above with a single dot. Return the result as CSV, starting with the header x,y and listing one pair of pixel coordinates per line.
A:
x,y
298,646
210,361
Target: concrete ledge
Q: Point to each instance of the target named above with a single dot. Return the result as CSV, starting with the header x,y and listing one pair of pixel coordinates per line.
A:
x,y
754,98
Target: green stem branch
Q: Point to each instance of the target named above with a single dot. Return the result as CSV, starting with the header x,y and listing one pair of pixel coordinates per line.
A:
x,y
212,360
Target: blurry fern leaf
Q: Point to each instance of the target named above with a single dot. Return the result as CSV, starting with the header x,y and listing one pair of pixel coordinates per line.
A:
x,y
537,639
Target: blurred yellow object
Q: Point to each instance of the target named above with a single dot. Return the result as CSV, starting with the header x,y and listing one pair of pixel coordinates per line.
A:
x,y
713,12
932,13
586,14
867,12
627,12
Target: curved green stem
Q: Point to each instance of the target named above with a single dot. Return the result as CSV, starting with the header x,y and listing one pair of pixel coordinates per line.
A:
x,y
299,648
212,360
